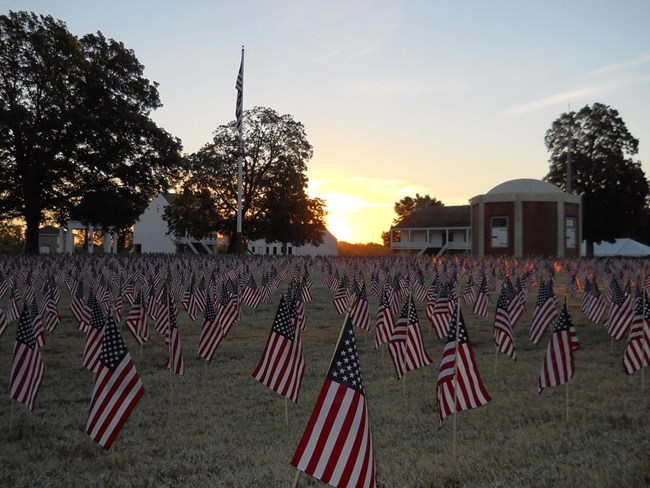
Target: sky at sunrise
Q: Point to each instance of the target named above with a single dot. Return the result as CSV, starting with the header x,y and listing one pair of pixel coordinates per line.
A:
x,y
446,98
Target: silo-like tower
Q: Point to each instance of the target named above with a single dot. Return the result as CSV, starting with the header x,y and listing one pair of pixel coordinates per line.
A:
x,y
526,217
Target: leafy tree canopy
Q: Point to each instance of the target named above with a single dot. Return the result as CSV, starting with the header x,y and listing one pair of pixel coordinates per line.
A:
x,y
74,119
275,205
406,206
612,185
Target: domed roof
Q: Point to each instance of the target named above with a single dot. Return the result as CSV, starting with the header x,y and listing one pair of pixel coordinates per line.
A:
x,y
524,185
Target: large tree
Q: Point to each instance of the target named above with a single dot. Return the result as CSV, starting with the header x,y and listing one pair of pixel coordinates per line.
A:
x,y
406,206
612,185
74,118
275,204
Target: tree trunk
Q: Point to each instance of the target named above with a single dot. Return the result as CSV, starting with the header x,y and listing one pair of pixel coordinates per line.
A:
x,y
33,222
589,248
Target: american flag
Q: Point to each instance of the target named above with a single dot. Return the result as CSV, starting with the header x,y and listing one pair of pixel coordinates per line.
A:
x,y
3,322
439,311
94,336
416,354
517,305
482,299
469,295
558,365
27,365
397,342
336,446
79,309
637,351
189,301
175,360
12,309
136,320
596,305
621,312
459,386
545,312
250,294
117,388
341,297
37,323
228,310
384,325
239,86
503,337
282,364
210,330
359,313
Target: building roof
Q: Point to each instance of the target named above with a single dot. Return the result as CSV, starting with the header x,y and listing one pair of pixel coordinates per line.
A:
x,y
428,217
48,230
524,185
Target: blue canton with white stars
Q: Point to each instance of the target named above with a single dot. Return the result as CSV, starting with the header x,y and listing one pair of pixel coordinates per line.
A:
x,y
113,347
345,368
283,323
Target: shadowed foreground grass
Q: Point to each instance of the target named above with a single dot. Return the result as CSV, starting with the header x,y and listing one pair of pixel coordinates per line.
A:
x,y
220,427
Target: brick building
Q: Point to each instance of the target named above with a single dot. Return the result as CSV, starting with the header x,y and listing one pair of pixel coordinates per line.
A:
x,y
526,217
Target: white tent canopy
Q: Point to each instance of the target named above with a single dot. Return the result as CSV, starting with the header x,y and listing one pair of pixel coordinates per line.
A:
x,y
620,247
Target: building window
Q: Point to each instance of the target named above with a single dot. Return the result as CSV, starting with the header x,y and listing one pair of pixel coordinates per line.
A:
x,y
267,249
289,250
275,250
451,237
570,227
499,232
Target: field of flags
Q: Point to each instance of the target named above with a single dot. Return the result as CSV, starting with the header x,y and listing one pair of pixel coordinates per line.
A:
x,y
422,338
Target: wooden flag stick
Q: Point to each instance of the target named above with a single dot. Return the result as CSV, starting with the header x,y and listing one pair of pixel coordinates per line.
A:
x,y
453,445
643,326
295,480
345,319
567,402
286,411
11,417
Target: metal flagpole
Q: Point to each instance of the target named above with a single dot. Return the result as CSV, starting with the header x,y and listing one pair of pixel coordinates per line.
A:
x,y
239,112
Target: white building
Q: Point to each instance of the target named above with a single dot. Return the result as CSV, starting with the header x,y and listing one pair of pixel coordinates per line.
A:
x,y
433,230
327,248
150,230
150,236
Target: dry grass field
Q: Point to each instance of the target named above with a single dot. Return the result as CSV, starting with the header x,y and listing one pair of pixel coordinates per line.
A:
x,y
218,426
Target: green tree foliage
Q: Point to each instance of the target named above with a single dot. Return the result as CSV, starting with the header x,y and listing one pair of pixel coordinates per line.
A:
x,y
74,118
612,185
275,205
406,206
192,213
12,237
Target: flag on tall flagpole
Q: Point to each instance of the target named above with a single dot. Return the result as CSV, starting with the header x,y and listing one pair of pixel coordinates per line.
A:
x,y
239,114
239,86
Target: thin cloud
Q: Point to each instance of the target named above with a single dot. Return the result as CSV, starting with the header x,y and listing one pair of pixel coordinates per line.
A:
x,y
623,65
377,181
561,98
